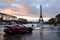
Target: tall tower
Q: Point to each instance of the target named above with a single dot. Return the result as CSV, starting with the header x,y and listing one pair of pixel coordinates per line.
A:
x,y
40,21
41,17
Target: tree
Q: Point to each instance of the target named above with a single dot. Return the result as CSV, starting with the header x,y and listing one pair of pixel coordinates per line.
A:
x,y
51,21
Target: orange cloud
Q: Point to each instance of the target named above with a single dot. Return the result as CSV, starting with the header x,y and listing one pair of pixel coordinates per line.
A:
x,y
21,10
9,11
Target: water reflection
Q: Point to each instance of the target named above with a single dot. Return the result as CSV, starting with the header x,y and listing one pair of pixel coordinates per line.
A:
x,y
41,32
58,33
16,37
41,35
12,37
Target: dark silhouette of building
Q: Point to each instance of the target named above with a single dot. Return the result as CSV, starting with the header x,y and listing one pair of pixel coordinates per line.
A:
x,y
9,19
58,18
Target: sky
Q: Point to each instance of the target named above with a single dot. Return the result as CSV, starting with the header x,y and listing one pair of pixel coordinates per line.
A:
x,y
30,9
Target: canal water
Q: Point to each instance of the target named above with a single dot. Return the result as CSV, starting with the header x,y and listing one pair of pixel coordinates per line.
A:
x,y
49,32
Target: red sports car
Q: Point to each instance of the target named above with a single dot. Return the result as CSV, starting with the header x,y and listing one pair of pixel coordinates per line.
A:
x,y
17,29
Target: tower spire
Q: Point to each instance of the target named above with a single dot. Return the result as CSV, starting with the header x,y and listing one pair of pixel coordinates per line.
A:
x,y
40,11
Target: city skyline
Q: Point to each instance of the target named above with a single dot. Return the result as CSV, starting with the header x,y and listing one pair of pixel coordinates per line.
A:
x,y
30,9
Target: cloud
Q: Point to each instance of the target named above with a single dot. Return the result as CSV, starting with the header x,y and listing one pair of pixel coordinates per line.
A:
x,y
30,7
20,10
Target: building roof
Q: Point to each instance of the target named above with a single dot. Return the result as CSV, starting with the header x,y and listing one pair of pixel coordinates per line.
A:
x,y
8,15
58,15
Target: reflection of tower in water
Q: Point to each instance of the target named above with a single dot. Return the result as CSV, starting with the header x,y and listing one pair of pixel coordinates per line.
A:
x,y
40,22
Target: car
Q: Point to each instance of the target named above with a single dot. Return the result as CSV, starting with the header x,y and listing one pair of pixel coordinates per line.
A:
x,y
17,29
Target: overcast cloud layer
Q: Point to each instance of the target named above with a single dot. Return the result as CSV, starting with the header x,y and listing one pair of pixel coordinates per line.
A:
x,y
30,7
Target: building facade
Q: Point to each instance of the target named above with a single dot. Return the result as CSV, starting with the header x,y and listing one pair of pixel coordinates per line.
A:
x,y
7,17
58,18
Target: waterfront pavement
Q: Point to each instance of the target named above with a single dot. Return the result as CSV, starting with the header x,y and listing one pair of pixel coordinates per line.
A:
x,y
48,33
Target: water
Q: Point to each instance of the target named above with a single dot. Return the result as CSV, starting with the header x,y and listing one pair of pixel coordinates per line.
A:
x,y
30,25
50,32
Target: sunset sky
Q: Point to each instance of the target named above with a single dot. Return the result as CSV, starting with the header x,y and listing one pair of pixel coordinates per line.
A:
x,y
30,9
